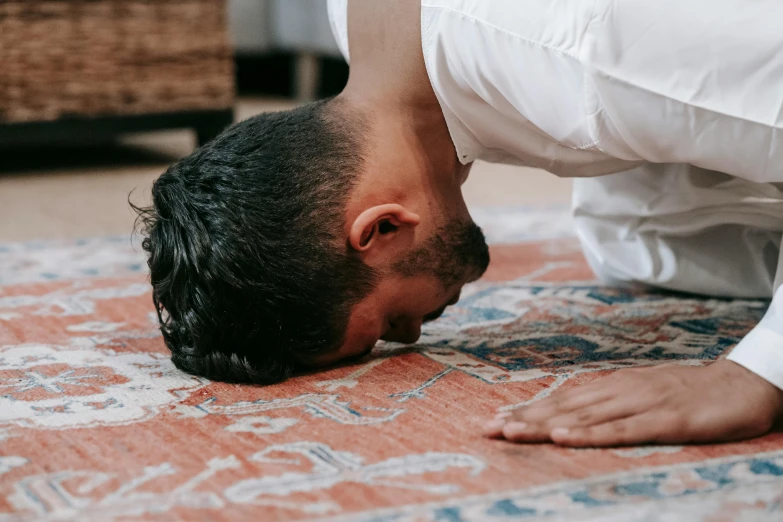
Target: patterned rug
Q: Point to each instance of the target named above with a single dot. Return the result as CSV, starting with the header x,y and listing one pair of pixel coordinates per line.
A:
x,y
96,424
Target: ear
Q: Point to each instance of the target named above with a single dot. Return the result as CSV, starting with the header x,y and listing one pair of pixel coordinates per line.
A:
x,y
379,224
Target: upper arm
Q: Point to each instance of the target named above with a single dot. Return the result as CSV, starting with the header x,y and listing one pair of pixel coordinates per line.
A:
x,y
697,82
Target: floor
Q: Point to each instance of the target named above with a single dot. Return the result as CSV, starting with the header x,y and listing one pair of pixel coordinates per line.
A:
x,y
82,350
70,192
97,425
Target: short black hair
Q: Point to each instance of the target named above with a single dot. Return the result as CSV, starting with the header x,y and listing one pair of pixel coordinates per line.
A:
x,y
250,269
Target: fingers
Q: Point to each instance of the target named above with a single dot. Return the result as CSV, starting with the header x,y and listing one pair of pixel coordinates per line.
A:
x,y
638,429
562,402
576,407
668,405
520,428
582,412
634,429
494,428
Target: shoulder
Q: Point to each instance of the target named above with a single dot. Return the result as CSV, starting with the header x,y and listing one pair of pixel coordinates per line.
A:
x,y
553,25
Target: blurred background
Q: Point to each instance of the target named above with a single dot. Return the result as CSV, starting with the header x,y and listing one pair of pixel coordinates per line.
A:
x,y
98,97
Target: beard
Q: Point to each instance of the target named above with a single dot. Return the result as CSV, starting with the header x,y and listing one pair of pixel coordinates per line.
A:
x,y
456,254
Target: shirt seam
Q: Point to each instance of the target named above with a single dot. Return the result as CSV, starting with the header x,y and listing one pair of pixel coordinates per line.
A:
x,y
599,113
598,71
501,30
465,146
585,146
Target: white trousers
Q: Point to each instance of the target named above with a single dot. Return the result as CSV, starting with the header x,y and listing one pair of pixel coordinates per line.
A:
x,y
684,228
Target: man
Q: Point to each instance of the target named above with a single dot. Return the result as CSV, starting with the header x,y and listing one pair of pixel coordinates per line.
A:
x,y
302,238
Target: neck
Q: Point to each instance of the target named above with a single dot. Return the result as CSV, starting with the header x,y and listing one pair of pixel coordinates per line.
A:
x,y
387,63
412,135
389,84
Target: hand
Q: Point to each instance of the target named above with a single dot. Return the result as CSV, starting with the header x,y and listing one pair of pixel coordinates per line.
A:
x,y
667,404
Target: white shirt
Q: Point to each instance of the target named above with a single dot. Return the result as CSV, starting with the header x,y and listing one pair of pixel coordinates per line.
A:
x,y
658,90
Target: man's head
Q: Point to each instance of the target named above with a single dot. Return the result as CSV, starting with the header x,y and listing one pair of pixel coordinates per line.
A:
x,y
284,243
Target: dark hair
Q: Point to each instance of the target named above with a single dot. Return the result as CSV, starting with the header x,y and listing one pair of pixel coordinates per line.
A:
x,y
250,270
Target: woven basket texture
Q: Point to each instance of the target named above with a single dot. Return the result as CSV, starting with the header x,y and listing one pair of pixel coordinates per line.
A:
x,y
64,58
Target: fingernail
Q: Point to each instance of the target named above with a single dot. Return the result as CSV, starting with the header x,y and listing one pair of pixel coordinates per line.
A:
x,y
494,425
559,432
503,415
513,428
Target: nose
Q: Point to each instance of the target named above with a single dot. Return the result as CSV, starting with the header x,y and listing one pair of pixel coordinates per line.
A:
x,y
406,331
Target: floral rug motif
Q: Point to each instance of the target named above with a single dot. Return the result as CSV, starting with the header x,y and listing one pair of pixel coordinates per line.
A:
x,y
97,424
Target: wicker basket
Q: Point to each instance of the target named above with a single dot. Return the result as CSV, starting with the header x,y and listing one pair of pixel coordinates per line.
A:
x,y
87,58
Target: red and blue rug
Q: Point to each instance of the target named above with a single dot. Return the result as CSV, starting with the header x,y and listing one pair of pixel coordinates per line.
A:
x,y
96,423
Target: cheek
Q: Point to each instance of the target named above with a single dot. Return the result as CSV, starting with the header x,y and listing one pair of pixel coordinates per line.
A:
x,y
361,337
348,350
422,298
356,350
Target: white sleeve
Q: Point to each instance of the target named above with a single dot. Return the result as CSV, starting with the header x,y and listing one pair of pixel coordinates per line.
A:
x,y
697,82
338,21
761,351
